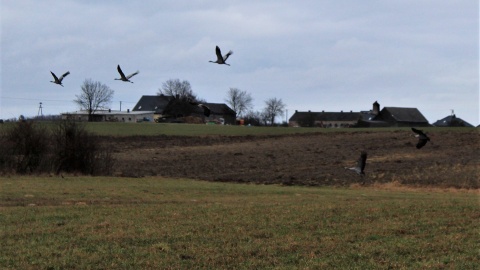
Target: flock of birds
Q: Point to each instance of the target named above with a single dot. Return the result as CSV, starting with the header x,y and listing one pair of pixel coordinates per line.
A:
x,y
362,161
221,60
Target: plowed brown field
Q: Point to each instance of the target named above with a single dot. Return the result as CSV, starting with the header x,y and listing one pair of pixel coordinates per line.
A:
x,y
450,160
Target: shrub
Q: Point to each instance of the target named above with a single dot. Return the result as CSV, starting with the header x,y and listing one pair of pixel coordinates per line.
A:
x,y
76,150
27,147
24,148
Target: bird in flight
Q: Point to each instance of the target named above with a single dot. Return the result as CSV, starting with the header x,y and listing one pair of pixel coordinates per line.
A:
x,y
422,137
362,161
206,109
221,59
123,77
59,80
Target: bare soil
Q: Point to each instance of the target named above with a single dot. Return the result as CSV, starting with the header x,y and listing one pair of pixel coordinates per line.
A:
x,y
451,159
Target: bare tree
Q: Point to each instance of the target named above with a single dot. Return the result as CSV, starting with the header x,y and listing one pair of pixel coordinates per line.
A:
x,y
240,101
94,96
274,107
176,88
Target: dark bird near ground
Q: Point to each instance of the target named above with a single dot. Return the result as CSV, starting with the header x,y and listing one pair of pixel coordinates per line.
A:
x,y
123,77
221,59
422,137
362,161
59,80
206,109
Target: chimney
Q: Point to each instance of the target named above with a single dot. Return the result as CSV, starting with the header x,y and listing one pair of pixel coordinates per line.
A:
x,y
128,110
376,108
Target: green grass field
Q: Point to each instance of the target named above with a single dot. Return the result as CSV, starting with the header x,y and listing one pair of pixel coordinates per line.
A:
x,y
155,223
152,129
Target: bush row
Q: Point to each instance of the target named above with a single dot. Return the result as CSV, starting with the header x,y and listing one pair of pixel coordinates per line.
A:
x,y
27,148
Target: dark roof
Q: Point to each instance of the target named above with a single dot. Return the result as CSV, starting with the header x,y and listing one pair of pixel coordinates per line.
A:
x,y
325,116
153,103
402,115
219,108
367,115
452,121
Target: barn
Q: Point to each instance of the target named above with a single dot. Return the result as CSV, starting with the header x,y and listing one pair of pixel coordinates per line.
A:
x,y
324,119
387,117
172,109
394,117
452,121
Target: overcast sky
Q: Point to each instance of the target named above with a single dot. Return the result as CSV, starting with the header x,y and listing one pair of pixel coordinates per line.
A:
x,y
315,55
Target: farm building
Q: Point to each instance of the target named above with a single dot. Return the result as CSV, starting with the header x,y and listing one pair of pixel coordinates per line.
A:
x,y
387,117
324,119
452,121
395,117
221,111
169,108
111,116
156,103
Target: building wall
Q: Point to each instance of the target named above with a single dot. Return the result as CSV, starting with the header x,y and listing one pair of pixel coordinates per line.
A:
x,y
229,119
76,117
336,124
326,124
123,117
